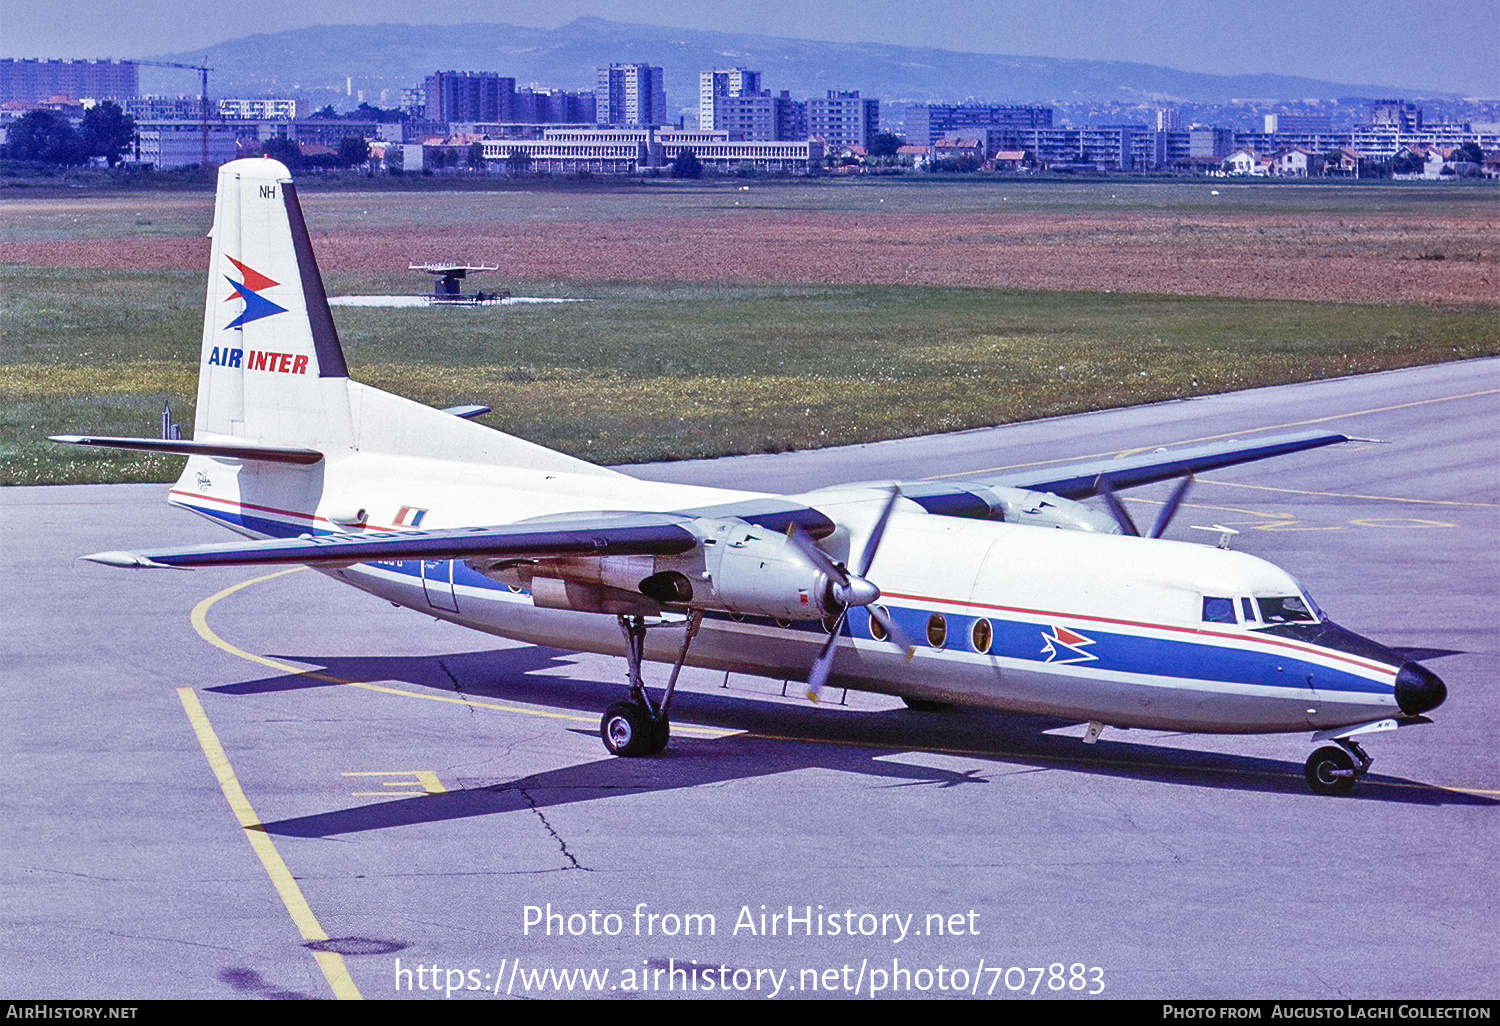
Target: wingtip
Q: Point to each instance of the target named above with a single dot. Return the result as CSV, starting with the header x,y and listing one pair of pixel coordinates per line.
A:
x,y
127,560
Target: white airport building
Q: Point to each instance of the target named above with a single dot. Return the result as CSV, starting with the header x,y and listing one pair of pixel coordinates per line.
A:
x,y
631,150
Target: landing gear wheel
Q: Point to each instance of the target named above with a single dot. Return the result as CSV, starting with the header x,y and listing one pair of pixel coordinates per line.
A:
x,y
1331,771
627,729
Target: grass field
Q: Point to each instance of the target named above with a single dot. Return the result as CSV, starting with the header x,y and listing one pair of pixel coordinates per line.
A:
x,y
644,370
154,214
636,373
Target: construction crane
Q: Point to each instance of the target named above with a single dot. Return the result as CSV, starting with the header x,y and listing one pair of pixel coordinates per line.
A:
x,y
202,95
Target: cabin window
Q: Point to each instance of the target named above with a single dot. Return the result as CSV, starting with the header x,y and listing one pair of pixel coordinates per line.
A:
x,y
982,635
1218,610
876,630
1285,609
937,630
1248,609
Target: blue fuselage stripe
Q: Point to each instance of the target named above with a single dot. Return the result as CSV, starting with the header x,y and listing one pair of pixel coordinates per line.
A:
x,y
1114,651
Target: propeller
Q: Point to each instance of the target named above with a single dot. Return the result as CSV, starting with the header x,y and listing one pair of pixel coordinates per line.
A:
x,y
850,589
1127,525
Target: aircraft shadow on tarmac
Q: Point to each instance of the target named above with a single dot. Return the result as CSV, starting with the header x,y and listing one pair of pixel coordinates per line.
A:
x,y
778,738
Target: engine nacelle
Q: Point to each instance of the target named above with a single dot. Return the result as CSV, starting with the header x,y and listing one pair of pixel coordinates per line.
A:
x,y
608,584
1043,509
555,593
738,568
758,572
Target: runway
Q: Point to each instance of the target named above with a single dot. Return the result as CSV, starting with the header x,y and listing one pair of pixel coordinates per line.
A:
x,y
447,824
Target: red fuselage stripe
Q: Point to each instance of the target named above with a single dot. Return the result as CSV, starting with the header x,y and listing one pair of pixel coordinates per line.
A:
x,y
1044,613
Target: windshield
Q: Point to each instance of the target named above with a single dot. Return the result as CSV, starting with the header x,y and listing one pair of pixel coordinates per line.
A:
x,y
1285,609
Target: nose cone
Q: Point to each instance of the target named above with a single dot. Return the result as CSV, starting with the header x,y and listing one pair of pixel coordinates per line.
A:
x,y
1418,689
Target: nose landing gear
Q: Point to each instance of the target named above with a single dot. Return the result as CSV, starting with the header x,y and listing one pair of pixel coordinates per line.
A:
x,y
1339,761
1334,768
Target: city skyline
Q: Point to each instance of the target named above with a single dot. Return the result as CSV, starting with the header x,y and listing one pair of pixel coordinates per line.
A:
x,y
1453,47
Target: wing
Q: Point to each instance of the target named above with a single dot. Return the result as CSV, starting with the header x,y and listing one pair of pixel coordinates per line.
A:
x,y
572,534
1082,480
598,535
643,533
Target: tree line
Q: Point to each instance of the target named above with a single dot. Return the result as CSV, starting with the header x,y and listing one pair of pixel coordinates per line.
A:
x,y
107,131
47,136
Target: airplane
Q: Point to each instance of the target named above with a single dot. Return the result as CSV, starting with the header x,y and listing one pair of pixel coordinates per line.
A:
x,y
1005,592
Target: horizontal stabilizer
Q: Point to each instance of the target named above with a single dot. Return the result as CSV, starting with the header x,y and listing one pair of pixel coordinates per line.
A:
x,y
182,447
606,535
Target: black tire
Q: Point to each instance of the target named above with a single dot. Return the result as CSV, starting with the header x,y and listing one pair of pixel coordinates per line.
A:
x,y
626,729
926,705
1330,771
661,733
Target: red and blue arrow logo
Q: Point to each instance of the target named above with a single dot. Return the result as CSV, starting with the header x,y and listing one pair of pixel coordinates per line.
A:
x,y
1065,646
249,290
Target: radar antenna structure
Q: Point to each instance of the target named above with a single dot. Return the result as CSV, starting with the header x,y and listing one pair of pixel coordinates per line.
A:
x,y
446,277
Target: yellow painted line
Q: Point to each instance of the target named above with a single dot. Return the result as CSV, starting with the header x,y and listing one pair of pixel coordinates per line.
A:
x,y
332,963
425,779
1288,522
1347,495
200,624
1118,453
1284,517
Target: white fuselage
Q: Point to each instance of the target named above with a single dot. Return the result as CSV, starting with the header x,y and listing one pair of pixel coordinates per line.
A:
x,y
1009,617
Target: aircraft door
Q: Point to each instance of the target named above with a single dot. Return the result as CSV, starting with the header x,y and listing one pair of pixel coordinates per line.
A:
x,y
437,584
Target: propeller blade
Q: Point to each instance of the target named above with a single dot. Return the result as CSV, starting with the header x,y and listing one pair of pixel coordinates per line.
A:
x,y
823,665
894,633
853,589
868,556
1116,510
820,559
1170,509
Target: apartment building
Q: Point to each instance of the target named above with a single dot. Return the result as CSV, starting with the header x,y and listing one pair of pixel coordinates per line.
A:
x,y
630,95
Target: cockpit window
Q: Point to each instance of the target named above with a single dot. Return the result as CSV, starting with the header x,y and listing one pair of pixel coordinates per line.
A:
x,y
1248,609
1285,609
1218,610
1317,613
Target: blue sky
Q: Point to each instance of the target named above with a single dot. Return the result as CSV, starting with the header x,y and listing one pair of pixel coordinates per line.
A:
x,y
1447,45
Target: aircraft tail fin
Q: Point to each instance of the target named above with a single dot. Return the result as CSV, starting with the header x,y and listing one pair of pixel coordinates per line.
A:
x,y
272,372
270,347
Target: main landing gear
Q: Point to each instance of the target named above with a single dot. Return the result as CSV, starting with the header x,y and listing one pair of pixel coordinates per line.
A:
x,y
640,726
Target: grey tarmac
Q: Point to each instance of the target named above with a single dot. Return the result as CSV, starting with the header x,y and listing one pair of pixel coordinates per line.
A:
x,y
457,786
